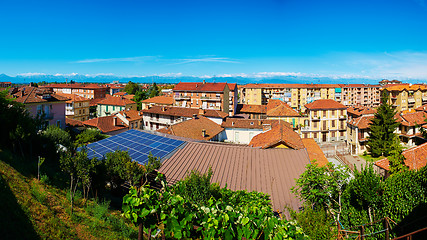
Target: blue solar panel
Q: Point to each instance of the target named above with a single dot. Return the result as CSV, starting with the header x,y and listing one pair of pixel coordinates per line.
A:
x,y
139,144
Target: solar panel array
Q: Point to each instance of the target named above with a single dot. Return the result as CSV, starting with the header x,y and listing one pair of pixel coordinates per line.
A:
x,y
139,145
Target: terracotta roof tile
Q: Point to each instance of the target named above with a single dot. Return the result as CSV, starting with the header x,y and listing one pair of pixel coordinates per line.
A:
x,y
95,101
74,123
160,100
247,108
200,87
36,95
194,129
325,104
412,119
415,158
408,87
278,108
362,122
315,152
73,97
131,115
184,112
115,101
106,124
280,133
120,94
361,110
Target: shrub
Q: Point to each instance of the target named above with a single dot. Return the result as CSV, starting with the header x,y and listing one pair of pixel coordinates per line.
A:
x,y
38,193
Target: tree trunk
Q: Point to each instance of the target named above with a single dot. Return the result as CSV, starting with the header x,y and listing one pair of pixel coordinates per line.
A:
x,y
141,232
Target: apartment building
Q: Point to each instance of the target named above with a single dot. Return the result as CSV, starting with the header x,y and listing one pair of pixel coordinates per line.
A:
x,y
76,107
115,88
326,121
359,120
157,101
408,130
204,95
360,95
90,91
42,102
404,97
296,95
110,105
157,117
5,84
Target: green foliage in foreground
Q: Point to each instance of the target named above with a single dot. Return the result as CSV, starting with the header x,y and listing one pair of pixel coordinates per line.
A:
x,y
226,214
364,198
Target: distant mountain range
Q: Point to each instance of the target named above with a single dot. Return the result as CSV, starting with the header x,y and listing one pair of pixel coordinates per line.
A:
x,y
173,79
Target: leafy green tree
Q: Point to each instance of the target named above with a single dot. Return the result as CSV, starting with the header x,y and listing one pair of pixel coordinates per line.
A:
x,y
57,136
131,87
323,187
383,125
80,169
89,135
366,190
396,158
153,90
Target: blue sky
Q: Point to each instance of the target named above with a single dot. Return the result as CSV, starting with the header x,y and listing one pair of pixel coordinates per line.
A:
x,y
342,39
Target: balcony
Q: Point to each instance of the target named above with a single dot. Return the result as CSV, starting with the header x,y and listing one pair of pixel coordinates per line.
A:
x,y
181,97
215,99
315,118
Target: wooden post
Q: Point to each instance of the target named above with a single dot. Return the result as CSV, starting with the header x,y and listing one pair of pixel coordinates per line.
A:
x,y
362,232
387,230
141,232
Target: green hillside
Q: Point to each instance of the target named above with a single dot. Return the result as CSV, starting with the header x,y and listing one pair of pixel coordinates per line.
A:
x,y
32,209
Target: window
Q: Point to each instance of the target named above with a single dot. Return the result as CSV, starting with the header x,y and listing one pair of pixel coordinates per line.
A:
x,y
333,123
324,114
80,111
332,134
315,135
236,136
333,113
58,123
315,124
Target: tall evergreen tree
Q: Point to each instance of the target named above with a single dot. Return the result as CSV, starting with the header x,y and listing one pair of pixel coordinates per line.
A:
x,y
382,136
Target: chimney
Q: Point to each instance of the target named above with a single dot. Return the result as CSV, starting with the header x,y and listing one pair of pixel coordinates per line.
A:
x,y
204,81
195,116
163,109
204,133
115,121
139,113
201,112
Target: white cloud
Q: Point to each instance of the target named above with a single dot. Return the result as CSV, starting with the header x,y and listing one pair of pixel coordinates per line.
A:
x,y
206,59
99,74
65,74
126,59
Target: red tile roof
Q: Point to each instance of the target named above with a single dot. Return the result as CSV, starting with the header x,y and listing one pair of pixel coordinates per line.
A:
x,y
362,122
422,108
131,115
247,108
325,104
120,93
278,108
411,119
361,110
194,129
95,101
73,97
200,87
74,123
115,101
106,124
315,152
415,158
232,86
280,133
271,171
184,112
358,86
407,87
160,100
27,95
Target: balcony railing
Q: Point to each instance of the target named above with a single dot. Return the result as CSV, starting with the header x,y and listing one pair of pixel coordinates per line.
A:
x,y
181,97
210,98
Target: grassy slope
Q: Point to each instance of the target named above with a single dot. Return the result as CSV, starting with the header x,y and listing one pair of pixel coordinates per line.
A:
x,y
30,209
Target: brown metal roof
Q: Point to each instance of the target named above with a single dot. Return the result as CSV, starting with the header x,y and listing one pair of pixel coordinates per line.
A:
x,y
271,171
